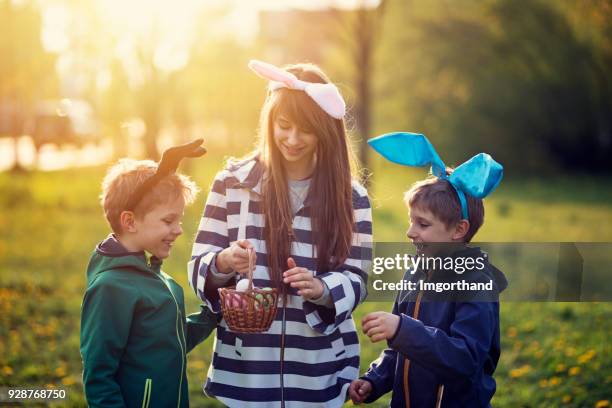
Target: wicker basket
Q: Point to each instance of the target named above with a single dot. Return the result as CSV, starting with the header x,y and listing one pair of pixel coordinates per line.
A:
x,y
251,311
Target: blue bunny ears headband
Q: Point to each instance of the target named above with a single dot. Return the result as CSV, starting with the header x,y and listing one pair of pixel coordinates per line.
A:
x,y
477,177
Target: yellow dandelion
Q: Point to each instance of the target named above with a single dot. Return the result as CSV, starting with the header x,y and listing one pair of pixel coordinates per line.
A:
x,y
566,399
68,380
554,381
543,383
521,371
60,371
586,357
602,404
512,332
574,371
515,373
561,368
7,370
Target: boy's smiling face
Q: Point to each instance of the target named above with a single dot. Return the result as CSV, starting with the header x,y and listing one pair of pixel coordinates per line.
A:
x,y
156,231
426,228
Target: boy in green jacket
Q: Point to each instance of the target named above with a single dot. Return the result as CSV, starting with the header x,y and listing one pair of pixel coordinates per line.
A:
x,y
134,332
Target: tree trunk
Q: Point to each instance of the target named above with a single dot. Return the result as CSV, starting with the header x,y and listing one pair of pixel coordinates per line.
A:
x,y
150,141
364,30
16,162
151,117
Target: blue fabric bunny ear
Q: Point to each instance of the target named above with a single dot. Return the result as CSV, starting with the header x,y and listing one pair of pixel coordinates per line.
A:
x,y
409,149
477,177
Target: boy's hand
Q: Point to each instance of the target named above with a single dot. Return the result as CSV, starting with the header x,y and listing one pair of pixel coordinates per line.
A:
x,y
303,280
236,258
359,390
380,325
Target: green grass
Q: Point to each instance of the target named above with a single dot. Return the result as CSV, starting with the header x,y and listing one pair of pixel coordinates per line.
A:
x,y
554,354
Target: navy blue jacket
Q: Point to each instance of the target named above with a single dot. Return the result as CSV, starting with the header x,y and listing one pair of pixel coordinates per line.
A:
x,y
449,348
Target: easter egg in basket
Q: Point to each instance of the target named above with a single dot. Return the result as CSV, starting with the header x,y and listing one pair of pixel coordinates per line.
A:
x,y
264,298
233,301
242,285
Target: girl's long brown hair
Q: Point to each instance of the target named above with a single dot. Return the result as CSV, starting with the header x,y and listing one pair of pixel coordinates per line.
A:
x,y
330,194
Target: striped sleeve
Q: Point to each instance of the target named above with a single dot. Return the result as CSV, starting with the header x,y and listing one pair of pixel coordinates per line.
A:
x,y
211,238
347,284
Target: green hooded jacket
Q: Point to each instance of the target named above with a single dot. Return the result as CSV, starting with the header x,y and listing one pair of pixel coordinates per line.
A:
x,y
134,333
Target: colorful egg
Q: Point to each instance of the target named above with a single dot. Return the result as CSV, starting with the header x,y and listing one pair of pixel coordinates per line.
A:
x,y
259,301
242,285
236,301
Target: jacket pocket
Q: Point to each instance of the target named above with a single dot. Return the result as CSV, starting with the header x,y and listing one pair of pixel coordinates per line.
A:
x,y
146,398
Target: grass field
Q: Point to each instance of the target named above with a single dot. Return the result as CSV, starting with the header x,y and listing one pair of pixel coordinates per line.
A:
x,y
554,354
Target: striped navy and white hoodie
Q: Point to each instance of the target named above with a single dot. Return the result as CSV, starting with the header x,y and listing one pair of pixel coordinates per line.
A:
x,y
320,356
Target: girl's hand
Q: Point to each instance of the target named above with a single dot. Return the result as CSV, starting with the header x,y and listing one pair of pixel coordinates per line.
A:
x,y
303,280
359,390
380,325
236,258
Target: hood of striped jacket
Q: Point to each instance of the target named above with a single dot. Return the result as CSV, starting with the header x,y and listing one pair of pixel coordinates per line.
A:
x,y
248,173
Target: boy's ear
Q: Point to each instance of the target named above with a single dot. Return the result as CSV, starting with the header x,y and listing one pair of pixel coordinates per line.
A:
x,y
461,229
128,221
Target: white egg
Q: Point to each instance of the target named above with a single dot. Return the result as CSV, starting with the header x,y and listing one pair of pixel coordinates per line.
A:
x,y
242,285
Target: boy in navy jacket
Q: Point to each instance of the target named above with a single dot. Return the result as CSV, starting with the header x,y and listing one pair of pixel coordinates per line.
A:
x,y
443,347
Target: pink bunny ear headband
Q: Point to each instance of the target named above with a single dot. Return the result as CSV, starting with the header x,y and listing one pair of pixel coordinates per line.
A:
x,y
326,96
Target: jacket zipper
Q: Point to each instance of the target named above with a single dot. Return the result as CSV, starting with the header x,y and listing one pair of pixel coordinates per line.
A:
x,y
282,352
439,397
283,329
415,315
146,398
182,335
440,393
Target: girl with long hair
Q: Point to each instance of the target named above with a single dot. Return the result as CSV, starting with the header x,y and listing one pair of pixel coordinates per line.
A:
x,y
293,209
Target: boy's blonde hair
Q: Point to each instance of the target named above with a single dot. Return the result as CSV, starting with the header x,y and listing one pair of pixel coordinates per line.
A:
x,y
440,198
123,178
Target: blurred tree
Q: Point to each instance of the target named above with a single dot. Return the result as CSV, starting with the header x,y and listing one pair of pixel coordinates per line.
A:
x,y
215,96
116,105
592,21
359,34
212,95
27,72
150,103
518,80
558,92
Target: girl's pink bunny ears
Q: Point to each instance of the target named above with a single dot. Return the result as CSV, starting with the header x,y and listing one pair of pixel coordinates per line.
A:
x,y
326,96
